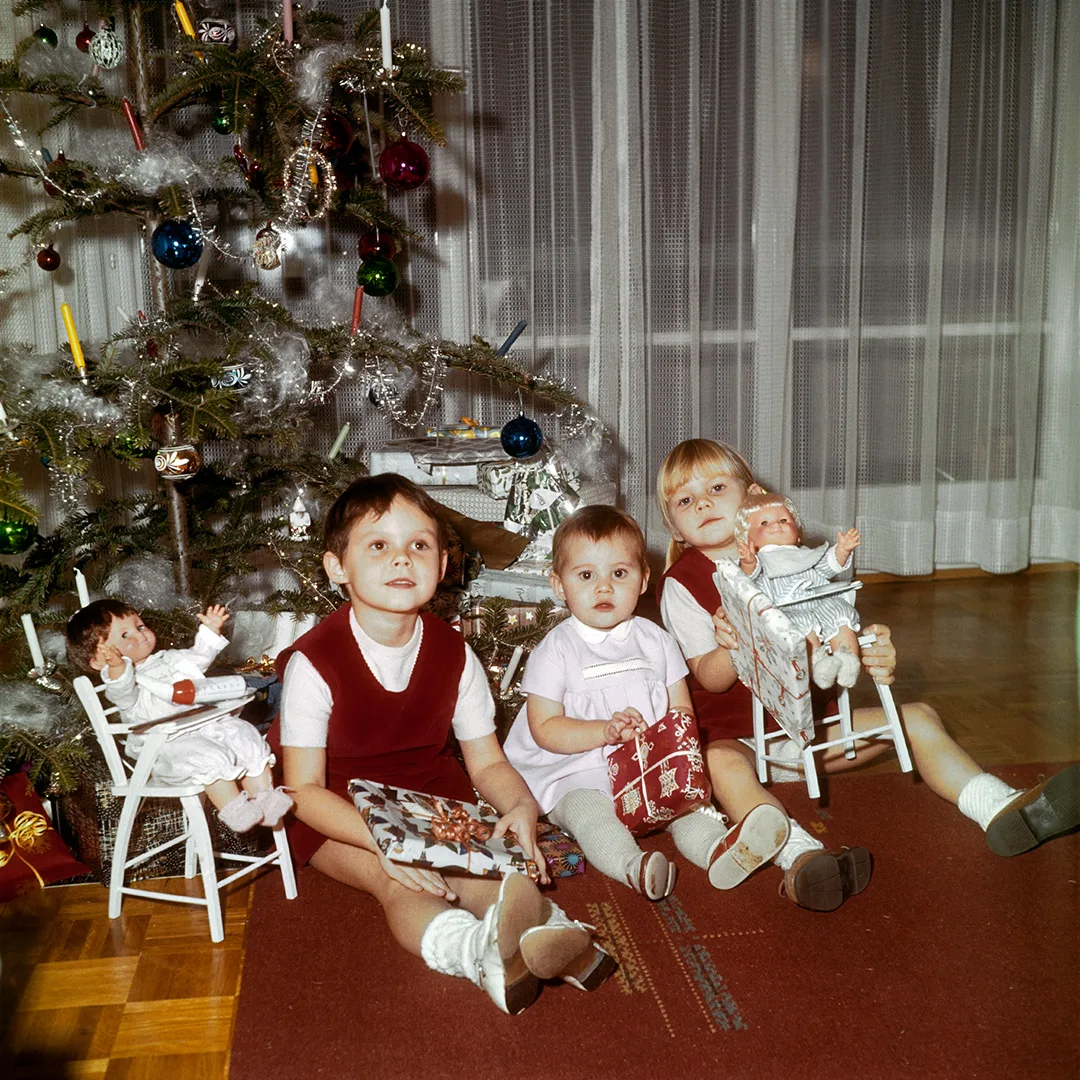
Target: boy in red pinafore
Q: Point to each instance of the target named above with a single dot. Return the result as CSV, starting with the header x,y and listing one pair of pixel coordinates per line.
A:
x,y
372,692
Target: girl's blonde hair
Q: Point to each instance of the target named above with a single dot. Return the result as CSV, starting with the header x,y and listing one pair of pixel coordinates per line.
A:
x,y
754,502
694,457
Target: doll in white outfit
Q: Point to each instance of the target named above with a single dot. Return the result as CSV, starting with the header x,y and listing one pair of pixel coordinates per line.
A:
x,y
225,756
768,533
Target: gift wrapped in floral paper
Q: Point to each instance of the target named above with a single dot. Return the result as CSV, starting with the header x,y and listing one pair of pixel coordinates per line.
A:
x,y
431,830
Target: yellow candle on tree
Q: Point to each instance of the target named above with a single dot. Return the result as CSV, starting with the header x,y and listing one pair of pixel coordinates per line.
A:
x,y
73,339
184,19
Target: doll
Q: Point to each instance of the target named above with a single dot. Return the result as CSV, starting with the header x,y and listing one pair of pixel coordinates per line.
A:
x,y
224,755
768,532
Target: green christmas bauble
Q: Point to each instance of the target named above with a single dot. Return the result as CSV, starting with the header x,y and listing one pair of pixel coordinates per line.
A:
x,y
46,35
16,536
378,276
230,118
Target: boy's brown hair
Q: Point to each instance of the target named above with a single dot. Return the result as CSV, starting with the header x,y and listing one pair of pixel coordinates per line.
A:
x,y
89,627
373,495
597,523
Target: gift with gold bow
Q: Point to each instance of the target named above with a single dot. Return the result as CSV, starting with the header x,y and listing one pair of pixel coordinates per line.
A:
x,y
436,832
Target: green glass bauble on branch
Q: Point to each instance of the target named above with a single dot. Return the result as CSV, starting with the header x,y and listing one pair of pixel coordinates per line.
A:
x,y
378,276
230,118
16,536
46,35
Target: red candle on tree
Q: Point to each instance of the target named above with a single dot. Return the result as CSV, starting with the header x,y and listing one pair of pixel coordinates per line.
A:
x,y
133,123
357,304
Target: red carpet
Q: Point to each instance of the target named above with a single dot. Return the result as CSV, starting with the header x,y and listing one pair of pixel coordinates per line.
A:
x,y
953,963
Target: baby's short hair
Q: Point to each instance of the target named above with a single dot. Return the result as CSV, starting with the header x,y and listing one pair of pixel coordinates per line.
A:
x,y
762,501
374,495
89,627
597,523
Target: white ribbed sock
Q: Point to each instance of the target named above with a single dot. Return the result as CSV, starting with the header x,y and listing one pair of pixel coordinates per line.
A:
x,y
696,835
589,817
983,797
448,944
799,841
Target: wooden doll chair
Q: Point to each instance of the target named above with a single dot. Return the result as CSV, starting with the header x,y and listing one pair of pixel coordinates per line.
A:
x,y
890,730
133,784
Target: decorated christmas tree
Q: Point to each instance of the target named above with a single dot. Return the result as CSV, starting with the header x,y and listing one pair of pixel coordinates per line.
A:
x,y
213,380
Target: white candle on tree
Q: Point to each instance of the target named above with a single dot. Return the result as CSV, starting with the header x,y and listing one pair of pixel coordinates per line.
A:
x,y
36,654
81,589
384,26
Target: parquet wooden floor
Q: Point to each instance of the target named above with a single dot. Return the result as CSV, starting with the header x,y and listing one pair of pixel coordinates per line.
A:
x,y
148,996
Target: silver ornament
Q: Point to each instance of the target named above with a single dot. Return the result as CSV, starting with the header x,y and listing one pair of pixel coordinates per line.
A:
x,y
267,253
106,49
216,32
234,377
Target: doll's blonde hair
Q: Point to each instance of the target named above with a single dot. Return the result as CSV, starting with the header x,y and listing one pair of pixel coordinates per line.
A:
x,y
765,500
694,457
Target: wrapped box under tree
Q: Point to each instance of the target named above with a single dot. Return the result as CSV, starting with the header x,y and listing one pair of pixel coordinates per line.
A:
x,y
431,830
92,814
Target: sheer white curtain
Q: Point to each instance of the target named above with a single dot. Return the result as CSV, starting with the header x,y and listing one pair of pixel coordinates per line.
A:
x,y
841,236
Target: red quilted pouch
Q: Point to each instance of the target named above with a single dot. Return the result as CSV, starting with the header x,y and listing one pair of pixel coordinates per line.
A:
x,y
660,775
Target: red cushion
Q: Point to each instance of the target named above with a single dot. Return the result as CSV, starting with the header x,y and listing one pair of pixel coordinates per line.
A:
x,y
32,855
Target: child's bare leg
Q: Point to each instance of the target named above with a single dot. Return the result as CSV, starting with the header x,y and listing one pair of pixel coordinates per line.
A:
x,y
222,792
407,913
942,763
730,765
255,784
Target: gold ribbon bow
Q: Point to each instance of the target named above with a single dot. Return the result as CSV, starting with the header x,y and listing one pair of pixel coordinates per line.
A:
x,y
250,666
22,833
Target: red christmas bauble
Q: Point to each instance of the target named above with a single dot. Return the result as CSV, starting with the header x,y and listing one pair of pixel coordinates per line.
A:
x,y
48,259
372,244
337,136
404,165
51,189
84,37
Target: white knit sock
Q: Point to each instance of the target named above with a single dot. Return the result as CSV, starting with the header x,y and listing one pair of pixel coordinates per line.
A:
x,y
696,835
448,944
983,797
799,842
589,817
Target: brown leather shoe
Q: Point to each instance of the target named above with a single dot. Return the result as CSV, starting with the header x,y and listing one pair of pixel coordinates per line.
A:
x,y
1048,809
823,880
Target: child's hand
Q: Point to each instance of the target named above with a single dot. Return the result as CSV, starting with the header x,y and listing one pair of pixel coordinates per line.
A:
x,y
623,726
214,618
747,558
416,878
879,658
723,631
846,543
520,820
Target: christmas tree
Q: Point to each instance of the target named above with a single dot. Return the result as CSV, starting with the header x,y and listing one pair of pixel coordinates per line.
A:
x,y
316,112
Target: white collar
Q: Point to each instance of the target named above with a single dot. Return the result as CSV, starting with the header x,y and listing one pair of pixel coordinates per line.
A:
x,y
595,637
366,641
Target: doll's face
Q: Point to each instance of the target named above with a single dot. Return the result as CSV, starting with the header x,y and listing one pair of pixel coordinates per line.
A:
x,y
772,525
130,637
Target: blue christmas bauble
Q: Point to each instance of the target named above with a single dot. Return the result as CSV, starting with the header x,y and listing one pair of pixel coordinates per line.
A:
x,y
521,437
176,244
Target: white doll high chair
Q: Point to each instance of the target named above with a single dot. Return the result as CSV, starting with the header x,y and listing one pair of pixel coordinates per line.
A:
x,y
199,854
772,661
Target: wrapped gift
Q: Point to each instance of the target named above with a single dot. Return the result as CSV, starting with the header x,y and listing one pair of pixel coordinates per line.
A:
x,y
539,494
525,588
32,855
771,659
562,854
433,831
438,462
660,775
